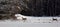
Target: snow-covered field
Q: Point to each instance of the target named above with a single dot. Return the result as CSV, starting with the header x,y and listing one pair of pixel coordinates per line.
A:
x,y
31,22
9,23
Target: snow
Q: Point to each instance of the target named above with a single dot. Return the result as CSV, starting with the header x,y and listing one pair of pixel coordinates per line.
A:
x,y
9,23
31,22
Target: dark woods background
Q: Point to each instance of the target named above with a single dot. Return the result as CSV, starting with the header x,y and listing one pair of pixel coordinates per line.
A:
x,y
8,8
42,8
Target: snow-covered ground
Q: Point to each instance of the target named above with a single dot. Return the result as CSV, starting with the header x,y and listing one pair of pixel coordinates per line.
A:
x,y
9,23
31,22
